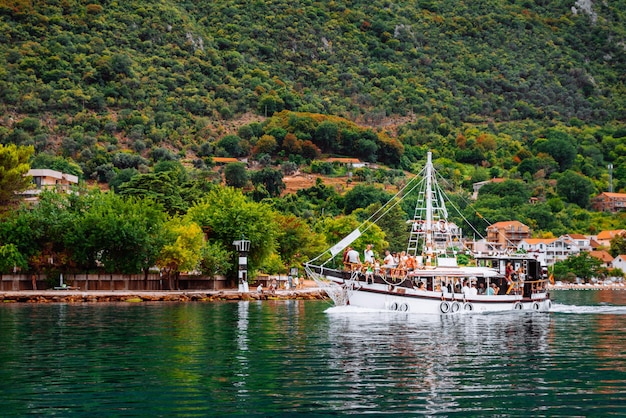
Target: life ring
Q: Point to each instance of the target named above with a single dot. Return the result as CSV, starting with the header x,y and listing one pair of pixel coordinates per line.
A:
x,y
536,306
404,307
393,306
456,306
518,306
468,307
443,226
444,307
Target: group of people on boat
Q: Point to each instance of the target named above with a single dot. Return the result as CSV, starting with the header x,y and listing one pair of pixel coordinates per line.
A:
x,y
395,265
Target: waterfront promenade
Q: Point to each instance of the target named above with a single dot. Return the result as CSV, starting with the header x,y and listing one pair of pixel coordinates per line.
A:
x,y
307,292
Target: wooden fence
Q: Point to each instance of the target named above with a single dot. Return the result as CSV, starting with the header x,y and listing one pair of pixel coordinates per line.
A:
x,y
139,282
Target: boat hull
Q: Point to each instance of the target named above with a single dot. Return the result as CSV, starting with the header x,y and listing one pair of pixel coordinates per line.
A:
x,y
372,297
344,289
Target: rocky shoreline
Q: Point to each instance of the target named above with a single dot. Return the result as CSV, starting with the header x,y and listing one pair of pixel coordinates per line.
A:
x,y
78,296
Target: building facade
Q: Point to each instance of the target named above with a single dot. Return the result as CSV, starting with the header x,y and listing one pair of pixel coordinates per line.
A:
x,y
609,202
507,235
46,179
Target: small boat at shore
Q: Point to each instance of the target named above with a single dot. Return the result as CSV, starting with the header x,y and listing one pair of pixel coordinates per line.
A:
x,y
427,278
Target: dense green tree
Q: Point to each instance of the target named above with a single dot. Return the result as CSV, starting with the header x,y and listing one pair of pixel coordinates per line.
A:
x,y
216,259
122,177
575,188
361,196
112,225
236,175
232,145
584,266
271,179
226,215
296,242
618,245
11,259
181,251
40,232
511,193
327,136
163,188
560,146
539,217
13,168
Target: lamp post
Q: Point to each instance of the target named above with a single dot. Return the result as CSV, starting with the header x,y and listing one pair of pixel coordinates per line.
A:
x,y
243,247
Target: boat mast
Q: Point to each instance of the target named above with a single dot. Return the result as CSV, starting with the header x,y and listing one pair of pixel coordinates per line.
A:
x,y
428,244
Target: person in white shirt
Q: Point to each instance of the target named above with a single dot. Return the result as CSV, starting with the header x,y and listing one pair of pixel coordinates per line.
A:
x,y
389,261
473,291
465,289
353,257
368,254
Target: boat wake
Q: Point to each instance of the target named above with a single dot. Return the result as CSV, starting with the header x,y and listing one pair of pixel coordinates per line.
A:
x,y
556,308
347,309
595,309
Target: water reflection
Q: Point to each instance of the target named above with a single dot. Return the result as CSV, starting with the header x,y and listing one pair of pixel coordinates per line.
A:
x,y
242,348
276,358
439,363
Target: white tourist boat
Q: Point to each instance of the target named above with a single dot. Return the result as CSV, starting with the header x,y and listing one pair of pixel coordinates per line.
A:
x,y
429,280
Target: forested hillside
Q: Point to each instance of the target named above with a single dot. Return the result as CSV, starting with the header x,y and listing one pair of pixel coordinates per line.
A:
x,y
86,79
144,96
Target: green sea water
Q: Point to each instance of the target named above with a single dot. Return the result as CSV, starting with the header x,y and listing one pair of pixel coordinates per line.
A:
x,y
280,358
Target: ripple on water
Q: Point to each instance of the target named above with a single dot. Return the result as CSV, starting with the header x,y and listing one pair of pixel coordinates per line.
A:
x,y
280,358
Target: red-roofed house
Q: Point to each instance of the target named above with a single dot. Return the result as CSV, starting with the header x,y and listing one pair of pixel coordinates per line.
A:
x,y
603,256
609,202
224,160
507,234
352,162
604,237
537,247
581,241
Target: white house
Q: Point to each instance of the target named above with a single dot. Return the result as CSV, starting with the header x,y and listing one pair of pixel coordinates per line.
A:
x,y
551,250
46,179
582,242
619,262
537,247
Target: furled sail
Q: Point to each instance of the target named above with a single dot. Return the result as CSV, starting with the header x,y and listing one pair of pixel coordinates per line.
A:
x,y
341,245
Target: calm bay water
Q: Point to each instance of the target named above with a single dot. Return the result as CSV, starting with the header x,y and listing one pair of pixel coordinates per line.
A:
x,y
279,358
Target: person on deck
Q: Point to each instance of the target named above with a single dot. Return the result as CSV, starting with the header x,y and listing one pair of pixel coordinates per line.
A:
x,y
368,254
508,273
354,260
388,261
473,291
465,290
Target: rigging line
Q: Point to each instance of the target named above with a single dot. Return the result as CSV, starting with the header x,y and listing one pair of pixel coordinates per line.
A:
x,y
368,223
470,205
393,205
395,199
401,193
487,221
